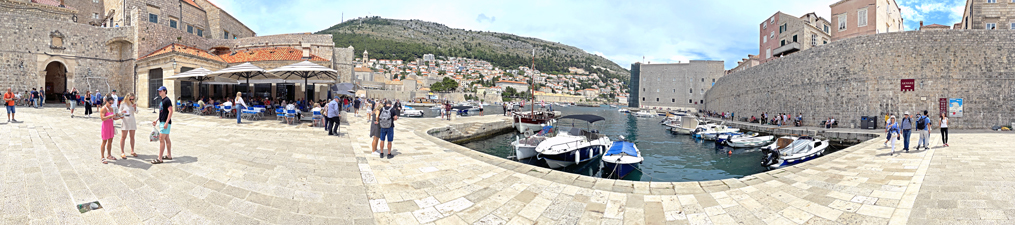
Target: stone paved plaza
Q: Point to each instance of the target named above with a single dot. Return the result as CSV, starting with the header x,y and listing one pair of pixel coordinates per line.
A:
x,y
271,173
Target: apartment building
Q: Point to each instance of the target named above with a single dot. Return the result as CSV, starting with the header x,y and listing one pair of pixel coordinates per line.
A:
x,y
743,64
988,14
865,17
783,34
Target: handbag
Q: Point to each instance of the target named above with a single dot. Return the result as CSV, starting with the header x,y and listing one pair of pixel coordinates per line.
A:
x,y
155,135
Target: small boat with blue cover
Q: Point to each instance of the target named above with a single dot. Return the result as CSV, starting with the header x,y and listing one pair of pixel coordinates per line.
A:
x,y
622,159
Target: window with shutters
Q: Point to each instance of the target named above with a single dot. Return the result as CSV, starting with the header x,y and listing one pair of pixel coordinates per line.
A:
x,y
173,23
990,26
861,17
842,22
153,18
190,29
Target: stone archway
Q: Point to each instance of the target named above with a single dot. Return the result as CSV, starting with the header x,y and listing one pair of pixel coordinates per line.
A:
x,y
56,81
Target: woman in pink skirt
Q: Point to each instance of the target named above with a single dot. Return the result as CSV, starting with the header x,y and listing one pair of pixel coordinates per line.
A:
x,y
107,115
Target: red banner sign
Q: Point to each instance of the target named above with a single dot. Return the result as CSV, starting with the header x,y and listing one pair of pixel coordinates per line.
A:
x,y
943,105
908,85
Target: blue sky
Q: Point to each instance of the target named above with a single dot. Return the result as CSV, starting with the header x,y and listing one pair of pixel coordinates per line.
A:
x,y
623,31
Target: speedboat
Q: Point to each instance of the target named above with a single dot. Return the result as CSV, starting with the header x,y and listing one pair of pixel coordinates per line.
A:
x,y
623,110
749,141
622,159
409,111
687,125
526,147
721,138
792,150
711,133
575,146
644,114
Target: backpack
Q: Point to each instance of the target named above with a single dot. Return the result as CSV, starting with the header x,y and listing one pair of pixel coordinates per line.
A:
x,y
385,120
921,123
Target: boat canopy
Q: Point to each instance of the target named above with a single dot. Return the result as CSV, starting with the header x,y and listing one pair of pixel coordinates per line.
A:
x,y
622,147
585,117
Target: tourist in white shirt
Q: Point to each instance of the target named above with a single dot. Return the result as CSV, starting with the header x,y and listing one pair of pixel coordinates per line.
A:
x,y
944,129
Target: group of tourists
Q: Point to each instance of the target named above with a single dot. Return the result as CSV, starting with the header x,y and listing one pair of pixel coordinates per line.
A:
x,y
110,110
901,130
383,114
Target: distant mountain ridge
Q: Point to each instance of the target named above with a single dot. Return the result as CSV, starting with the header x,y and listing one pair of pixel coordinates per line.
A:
x,y
409,39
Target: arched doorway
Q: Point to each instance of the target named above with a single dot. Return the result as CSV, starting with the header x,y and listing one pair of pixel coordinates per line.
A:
x,y
56,81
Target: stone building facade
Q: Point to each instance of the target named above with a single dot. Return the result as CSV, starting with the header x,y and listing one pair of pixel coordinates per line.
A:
x,y
676,85
861,76
44,44
988,14
783,34
854,18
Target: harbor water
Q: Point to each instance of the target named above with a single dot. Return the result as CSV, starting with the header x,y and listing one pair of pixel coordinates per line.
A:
x,y
668,156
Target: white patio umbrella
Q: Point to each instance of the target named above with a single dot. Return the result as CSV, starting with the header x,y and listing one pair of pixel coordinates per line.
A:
x,y
244,71
305,70
200,75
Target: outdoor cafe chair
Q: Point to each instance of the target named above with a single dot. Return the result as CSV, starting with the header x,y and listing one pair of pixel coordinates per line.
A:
x,y
279,114
318,119
290,116
227,111
249,113
197,109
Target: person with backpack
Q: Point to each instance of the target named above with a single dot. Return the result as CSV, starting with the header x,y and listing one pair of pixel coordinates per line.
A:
x,y
907,129
923,126
386,121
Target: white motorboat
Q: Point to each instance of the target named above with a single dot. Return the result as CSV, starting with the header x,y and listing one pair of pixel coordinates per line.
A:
x,y
575,146
711,133
622,159
526,147
788,151
533,121
644,114
623,110
409,111
749,141
687,125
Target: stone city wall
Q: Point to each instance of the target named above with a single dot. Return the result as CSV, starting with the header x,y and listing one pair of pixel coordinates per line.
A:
x,y
861,76
320,44
152,36
35,10
88,53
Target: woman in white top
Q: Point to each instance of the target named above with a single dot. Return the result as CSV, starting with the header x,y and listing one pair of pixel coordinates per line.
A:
x,y
237,103
128,125
944,129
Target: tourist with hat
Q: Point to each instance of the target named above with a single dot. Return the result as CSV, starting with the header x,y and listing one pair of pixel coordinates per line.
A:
x,y
162,125
907,129
893,132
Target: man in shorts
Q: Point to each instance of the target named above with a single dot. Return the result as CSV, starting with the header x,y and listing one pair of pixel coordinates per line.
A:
x,y
386,120
163,124
9,100
72,98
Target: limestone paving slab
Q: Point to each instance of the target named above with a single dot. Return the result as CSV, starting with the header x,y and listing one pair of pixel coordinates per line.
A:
x,y
273,173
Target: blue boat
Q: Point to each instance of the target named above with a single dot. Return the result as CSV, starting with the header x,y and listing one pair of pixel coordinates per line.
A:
x,y
622,159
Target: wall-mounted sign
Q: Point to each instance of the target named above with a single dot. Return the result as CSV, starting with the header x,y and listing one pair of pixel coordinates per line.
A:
x,y
943,106
955,107
908,85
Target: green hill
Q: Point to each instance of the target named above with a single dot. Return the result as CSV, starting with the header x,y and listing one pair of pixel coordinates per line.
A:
x,y
410,39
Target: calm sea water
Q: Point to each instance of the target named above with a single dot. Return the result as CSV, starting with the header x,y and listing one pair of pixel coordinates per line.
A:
x,y
668,156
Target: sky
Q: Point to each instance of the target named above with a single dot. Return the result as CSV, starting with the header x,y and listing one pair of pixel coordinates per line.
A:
x,y
656,31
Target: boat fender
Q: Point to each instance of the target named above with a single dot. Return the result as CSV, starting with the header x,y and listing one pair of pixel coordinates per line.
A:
x,y
730,153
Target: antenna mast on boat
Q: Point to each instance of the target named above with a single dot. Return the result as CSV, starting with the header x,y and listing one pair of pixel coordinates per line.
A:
x,y
532,93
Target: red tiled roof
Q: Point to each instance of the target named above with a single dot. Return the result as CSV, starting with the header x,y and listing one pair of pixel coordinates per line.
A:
x,y
935,26
184,49
191,2
511,81
362,69
50,3
268,54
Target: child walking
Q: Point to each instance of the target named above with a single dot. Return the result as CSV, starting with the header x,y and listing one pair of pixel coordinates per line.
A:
x,y
107,115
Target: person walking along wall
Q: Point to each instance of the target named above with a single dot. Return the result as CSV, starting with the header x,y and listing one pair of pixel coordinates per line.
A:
x,y
237,103
923,126
386,120
128,125
9,102
907,129
333,114
107,116
893,132
163,124
375,130
89,101
944,129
